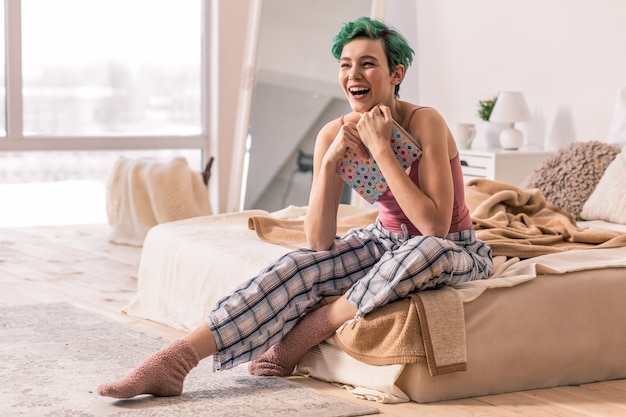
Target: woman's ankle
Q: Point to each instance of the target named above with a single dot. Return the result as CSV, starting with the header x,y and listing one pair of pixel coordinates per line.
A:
x,y
202,340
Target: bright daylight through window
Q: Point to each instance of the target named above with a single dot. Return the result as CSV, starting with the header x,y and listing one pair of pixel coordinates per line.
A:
x,y
93,70
111,67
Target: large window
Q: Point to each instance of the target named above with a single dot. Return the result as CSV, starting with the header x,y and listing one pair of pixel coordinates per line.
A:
x,y
111,67
102,68
83,82
95,75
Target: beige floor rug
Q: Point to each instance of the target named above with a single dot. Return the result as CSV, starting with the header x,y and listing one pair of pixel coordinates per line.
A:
x,y
53,356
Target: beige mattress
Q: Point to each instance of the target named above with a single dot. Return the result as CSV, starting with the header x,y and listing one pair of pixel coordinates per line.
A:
x,y
542,322
557,329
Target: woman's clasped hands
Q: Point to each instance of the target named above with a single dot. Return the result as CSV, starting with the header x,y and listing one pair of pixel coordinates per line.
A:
x,y
374,128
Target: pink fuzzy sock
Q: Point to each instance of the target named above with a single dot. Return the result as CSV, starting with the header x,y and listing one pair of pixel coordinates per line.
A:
x,y
282,358
162,374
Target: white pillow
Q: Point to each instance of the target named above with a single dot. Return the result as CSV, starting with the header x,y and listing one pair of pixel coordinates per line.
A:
x,y
617,130
608,200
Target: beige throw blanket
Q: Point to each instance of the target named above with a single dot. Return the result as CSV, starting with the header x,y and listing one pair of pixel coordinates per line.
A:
x,y
286,228
520,223
144,192
426,327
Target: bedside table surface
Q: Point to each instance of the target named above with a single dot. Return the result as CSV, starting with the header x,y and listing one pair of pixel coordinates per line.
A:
x,y
505,152
512,166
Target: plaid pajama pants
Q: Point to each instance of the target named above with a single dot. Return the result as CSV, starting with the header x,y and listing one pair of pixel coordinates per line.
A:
x,y
371,266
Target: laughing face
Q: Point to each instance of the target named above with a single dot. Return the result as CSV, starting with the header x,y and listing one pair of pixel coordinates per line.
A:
x,y
365,76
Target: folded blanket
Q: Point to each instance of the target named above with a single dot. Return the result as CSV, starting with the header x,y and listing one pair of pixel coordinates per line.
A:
x,y
426,327
144,192
520,223
286,227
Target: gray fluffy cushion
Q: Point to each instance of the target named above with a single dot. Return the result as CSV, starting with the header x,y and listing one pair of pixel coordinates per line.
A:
x,y
568,178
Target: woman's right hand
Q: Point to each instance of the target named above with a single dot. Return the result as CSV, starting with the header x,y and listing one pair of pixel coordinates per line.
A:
x,y
347,137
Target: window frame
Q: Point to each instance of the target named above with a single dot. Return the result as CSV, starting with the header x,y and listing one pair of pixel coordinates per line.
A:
x,y
16,141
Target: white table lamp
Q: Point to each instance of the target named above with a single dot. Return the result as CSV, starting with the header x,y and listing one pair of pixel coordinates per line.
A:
x,y
510,108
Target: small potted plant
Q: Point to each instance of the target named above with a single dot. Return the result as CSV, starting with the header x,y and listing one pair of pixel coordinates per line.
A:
x,y
485,107
491,130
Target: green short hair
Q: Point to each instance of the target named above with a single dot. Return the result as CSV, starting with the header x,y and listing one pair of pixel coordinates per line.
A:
x,y
396,46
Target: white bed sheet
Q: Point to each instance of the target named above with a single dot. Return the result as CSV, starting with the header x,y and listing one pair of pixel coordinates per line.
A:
x,y
188,266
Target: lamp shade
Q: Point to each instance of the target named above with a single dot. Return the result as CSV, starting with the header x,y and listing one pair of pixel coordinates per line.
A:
x,y
510,107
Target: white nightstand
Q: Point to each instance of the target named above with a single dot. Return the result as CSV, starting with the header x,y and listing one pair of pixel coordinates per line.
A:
x,y
501,165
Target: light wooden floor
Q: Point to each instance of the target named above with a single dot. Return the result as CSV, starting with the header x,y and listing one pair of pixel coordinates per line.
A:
x,y
76,264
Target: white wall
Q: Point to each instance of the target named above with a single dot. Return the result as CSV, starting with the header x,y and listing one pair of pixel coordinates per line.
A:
x,y
567,56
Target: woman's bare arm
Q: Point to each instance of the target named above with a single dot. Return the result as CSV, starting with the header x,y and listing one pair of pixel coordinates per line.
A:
x,y
428,208
320,222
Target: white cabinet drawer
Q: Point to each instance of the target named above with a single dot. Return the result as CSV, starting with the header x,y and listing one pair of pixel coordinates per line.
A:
x,y
477,166
476,172
475,161
499,165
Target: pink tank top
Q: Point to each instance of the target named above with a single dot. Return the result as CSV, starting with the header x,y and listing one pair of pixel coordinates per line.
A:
x,y
392,217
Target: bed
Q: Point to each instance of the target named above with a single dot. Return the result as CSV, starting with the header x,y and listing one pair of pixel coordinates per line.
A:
x,y
551,314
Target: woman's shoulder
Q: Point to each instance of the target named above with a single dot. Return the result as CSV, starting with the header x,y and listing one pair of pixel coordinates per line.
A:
x,y
412,111
416,116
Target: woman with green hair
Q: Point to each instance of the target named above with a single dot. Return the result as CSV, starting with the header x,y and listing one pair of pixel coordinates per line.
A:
x,y
423,237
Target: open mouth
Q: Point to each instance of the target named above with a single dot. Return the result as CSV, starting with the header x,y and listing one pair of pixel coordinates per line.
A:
x,y
358,91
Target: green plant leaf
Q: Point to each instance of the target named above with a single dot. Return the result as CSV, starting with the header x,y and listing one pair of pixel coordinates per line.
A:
x,y
485,107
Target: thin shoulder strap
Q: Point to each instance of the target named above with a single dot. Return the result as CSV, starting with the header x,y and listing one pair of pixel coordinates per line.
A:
x,y
407,126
